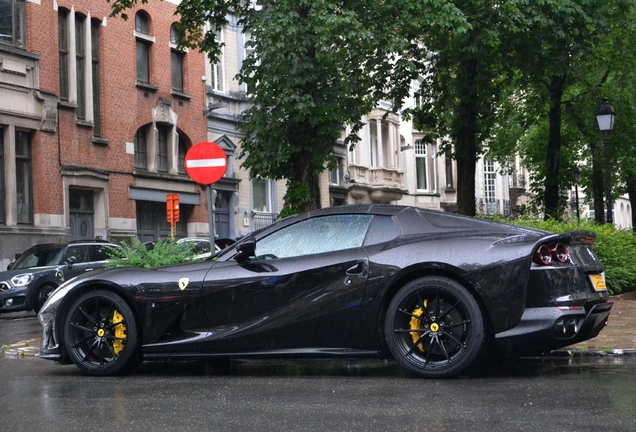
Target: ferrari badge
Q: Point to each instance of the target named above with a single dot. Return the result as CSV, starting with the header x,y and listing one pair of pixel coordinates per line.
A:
x,y
183,283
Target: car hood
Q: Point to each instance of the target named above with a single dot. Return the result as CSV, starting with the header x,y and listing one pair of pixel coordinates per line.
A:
x,y
8,274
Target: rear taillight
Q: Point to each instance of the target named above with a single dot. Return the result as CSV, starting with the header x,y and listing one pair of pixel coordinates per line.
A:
x,y
548,253
560,253
543,256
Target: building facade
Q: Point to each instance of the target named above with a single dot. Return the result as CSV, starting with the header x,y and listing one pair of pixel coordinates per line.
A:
x,y
96,115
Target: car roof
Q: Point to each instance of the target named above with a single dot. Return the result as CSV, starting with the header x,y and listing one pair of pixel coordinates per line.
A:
x,y
419,220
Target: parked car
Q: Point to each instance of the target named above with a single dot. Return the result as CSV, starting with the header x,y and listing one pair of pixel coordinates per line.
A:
x,y
29,280
437,292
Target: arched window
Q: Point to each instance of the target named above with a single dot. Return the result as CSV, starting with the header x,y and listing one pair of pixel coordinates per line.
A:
x,y
176,60
143,44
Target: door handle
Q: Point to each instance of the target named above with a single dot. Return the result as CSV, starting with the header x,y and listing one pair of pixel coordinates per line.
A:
x,y
88,270
356,270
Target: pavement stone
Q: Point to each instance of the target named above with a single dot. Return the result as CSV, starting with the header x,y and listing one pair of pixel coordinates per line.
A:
x,y
618,338
619,335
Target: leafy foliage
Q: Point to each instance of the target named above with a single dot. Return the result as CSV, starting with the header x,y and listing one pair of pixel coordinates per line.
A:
x,y
564,55
616,248
136,254
314,66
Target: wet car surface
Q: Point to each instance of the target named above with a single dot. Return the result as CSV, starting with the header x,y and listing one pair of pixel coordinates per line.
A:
x,y
439,293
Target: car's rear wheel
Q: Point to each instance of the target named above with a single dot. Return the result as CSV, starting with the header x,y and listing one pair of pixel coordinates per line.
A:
x,y
44,292
434,328
100,334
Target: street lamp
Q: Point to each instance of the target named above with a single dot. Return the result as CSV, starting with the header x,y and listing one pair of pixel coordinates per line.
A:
x,y
577,174
605,117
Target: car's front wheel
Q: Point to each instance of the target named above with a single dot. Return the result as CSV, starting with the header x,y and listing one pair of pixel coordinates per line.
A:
x,y
100,334
434,328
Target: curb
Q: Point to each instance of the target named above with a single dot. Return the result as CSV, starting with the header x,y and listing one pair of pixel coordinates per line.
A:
x,y
571,353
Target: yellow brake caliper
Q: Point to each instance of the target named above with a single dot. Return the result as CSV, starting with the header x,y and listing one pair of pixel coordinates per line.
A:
x,y
416,324
120,332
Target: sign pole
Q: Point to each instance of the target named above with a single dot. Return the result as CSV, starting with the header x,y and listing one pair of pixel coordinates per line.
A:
x,y
206,163
211,198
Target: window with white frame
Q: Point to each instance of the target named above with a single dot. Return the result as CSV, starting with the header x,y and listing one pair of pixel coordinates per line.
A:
x,y
248,50
489,187
448,161
334,174
262,196
217,68
421,165
373,143
489,180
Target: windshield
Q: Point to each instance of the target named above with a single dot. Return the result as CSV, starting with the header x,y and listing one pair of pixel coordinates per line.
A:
x,y
39,256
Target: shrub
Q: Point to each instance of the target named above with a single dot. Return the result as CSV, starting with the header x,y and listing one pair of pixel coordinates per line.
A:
x,y
616,248
136,254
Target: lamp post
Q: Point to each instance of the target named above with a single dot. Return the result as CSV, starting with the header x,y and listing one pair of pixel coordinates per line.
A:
x,y
605,117
577,173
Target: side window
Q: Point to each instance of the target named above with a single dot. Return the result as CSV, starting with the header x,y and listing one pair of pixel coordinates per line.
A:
x,y
79,252
98,253
201,247
314,236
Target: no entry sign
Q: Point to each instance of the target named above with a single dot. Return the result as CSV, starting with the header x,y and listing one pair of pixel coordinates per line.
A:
x,y
205,163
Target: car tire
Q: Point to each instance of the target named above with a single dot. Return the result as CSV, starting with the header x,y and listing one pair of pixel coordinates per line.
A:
x,y
435,328
44,292
100,334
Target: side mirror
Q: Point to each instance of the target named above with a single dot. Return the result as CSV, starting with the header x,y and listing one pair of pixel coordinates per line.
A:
x,y
245,250
70,261
10,265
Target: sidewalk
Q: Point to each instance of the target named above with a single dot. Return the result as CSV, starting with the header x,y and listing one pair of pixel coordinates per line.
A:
x,y
619,335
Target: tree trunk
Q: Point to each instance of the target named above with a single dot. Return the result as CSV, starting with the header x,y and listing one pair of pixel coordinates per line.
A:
x,y
466,142
597,184
304,174
553,156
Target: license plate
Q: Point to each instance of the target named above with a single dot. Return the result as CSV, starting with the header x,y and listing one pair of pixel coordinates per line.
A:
x,y
598,282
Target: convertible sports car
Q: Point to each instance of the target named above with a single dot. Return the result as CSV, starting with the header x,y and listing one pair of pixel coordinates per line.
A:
x,y
437,292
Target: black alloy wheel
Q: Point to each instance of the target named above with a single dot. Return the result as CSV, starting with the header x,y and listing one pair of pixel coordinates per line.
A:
x,y
434,328
44,292
100,334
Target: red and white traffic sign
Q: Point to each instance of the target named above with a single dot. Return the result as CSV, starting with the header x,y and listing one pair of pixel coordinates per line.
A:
x,y
205,163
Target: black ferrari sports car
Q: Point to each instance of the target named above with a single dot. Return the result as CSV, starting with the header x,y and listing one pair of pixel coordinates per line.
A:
x,y
437,292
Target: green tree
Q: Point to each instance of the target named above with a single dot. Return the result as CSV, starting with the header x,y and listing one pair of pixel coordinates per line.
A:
x,y
554,42
315,66
464,76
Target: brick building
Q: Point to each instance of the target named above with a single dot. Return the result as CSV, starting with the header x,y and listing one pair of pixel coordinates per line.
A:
x,y
96,114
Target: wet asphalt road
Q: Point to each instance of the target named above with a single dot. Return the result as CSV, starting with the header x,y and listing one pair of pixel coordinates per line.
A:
x,y
583,394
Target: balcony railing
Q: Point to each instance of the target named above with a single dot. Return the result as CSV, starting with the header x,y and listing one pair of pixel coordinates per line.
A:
x,y
377,176
262,219
490,207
